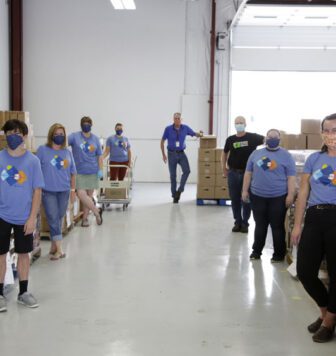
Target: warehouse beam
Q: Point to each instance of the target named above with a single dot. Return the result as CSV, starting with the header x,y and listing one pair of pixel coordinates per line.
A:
x,y
15,41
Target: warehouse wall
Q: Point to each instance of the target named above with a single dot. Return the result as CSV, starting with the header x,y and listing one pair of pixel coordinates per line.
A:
x,y
4,57
83,57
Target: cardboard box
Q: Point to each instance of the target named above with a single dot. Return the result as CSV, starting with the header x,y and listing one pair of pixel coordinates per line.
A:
x,y
115,193
7,115
310,126
205,192
221,181
2,119
207,180
222,193
219,168
205,168
23,116
206,155
218,154
13,115
3,141
314,141
294,142
208,142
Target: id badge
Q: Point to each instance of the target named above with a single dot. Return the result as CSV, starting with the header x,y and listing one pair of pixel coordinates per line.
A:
x,y
177,143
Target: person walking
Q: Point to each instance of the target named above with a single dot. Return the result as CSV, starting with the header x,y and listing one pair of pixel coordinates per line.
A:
x,y
21,185
176,135
317,239
236,152
87,154
59,173
269,182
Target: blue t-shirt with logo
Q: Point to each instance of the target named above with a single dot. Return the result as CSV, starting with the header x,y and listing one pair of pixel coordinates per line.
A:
x,y
119,147
176,138
86,151
322,169
20,176
57,168
270,170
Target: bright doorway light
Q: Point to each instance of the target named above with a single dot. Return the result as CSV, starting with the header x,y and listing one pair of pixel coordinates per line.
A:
x,y
281,99
123,4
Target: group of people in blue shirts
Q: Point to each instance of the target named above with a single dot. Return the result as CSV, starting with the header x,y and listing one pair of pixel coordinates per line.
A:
x,y
54,176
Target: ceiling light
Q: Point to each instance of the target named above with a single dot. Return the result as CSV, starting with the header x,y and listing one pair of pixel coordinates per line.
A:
x,y
316,17
123,4
265,17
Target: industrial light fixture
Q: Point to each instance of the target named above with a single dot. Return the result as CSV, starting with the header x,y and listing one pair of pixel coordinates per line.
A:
x,y
123,4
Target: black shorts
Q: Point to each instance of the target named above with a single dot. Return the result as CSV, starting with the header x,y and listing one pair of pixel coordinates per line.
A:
x,y
22,243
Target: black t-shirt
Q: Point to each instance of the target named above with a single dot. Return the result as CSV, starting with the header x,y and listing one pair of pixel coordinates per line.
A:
x,y
240,148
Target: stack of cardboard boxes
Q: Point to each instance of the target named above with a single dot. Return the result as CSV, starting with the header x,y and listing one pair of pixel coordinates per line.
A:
x,y
22,116
211,184
309,138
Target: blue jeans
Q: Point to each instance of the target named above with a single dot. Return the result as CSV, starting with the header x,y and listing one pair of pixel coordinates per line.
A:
x,y
55,206
235,182
175,158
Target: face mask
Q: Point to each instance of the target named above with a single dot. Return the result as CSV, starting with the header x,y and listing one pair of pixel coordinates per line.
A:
x,y
58,139
272,142
329,140
14,141
240,127
119,132
86,128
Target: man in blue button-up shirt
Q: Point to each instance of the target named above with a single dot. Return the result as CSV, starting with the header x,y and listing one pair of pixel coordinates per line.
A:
x,y
176,135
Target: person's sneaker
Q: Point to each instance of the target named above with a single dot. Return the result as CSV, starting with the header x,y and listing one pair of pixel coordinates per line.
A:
x,y
244,229
254,256
85,223
3,304
236,228
313,327
323,334
277,259
28,300
177,197
99,217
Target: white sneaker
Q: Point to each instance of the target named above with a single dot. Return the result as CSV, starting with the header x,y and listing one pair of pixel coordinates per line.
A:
x,y
28,300
3,304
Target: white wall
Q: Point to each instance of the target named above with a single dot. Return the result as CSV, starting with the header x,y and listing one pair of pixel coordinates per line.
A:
x,y
4,57
84,57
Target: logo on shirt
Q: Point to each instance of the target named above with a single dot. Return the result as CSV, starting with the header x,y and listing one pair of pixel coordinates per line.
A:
x,y
240,144
12,176
87,148
266,164
59,162
326,175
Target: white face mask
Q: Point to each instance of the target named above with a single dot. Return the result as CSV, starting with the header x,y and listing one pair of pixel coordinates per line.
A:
x,y
240,127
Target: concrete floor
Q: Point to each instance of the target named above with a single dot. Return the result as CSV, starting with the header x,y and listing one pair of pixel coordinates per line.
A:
x,y
161,280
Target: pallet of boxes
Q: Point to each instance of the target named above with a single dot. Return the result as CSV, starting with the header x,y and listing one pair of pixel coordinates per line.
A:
x,y
30,145
211,185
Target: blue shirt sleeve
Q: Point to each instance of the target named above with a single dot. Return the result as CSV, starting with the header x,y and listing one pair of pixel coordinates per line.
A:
x,y
291,169
73,169
165,134
190,131
38,180
70,139
108,142
99,149
39,153
308,167
249,165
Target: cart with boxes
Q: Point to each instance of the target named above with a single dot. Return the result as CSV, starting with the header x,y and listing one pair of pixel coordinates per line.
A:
x,y
212,187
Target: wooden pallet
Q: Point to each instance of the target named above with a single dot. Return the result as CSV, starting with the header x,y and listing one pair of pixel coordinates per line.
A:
x,y
221,202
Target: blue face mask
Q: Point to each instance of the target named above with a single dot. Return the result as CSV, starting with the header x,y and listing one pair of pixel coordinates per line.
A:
x,y
119,132
240,127
272,142
86,128
58,139
14,141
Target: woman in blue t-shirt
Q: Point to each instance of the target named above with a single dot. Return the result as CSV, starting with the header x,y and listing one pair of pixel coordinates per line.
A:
x,y
119,149
318,237
269,182
59,171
